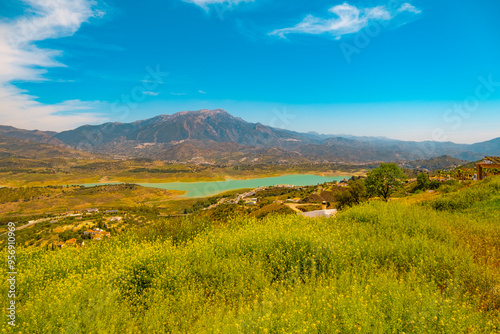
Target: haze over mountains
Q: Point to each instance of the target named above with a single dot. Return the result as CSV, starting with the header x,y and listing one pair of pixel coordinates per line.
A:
x,y
217,136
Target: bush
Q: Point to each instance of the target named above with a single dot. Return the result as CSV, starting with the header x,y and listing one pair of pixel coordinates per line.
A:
x,y
453,200
450,186
68,234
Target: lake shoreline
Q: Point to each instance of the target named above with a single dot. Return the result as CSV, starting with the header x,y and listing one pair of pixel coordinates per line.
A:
x,y
203,189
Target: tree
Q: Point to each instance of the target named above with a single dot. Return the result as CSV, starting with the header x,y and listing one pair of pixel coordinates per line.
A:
x,y
354,194
459,173
68,234
358,190
343,198
385,180
423,182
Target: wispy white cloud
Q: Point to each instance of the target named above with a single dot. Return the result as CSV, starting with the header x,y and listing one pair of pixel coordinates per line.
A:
x,y
348,20
406,7
206,3
151,93
153,81
202,92
22,60
178,94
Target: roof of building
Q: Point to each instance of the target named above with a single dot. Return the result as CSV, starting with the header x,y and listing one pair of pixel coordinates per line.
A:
x,y
71,241
493,160
320,213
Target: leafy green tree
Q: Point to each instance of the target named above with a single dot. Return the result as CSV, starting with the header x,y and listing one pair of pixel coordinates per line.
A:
x,y
68,234
434,184
385,180
355,193
423,182
343,198
357,189
459,173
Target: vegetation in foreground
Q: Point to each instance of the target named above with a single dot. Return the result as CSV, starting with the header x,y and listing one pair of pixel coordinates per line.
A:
x,y
379,267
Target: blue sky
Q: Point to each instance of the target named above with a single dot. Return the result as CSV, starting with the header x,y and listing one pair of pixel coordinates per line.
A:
x,y
412,70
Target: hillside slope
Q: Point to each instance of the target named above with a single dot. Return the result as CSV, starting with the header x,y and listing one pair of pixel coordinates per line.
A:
x,y
379,267
44,137
444,162
27,149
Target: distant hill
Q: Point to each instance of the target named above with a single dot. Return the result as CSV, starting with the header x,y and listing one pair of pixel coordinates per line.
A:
x,y
26,149
217,136
45,137
214,125
490,147
444,162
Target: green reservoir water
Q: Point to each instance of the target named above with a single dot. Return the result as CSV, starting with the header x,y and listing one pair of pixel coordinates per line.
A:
x,y
204,189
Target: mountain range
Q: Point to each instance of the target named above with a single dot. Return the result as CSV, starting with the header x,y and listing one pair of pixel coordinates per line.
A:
x,y
216,136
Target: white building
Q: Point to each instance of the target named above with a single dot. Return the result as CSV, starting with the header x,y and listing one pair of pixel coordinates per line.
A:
x,y
320,213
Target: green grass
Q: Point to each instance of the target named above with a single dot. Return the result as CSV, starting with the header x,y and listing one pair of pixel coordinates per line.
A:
x,y
377,268
469,197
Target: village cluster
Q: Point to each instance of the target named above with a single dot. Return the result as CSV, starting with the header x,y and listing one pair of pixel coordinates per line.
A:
x,y
94,234
246,196
90,234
